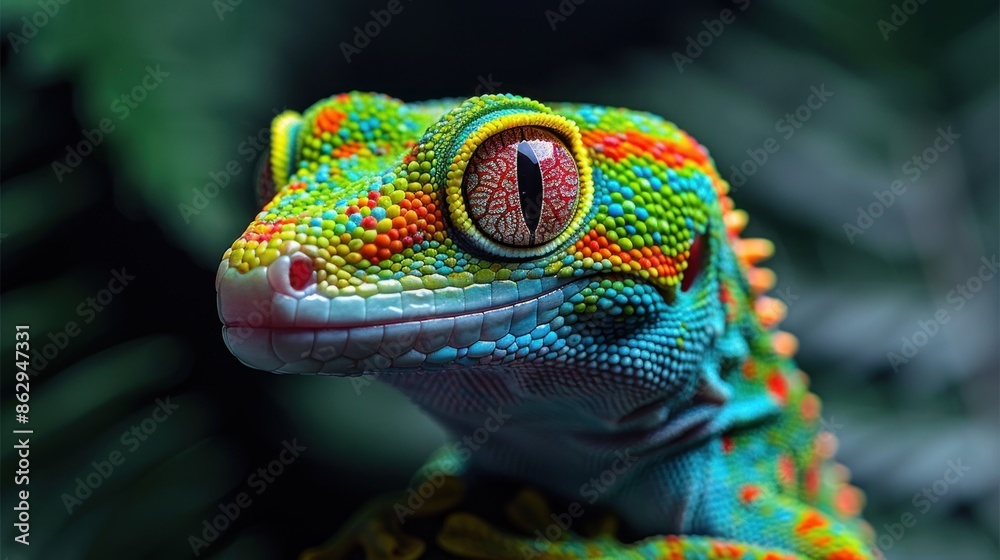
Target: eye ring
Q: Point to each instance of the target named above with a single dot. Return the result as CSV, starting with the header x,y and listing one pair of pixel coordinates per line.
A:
x,y
520,186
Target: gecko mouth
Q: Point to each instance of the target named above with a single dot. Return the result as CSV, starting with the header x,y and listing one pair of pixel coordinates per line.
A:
x,y
269,327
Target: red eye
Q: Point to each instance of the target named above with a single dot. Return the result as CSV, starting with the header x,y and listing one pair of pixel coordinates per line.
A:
x,y
696,262
522,186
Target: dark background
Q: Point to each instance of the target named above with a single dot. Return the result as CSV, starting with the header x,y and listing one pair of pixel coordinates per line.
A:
x,y
229,68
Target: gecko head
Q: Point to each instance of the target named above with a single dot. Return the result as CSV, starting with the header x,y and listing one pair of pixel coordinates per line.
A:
x,y
490,232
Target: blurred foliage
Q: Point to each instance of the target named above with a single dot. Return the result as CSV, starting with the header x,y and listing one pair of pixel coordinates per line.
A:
x,y
228,71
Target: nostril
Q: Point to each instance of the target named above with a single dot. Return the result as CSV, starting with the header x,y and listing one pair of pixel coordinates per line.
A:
x,y
299,273
292,274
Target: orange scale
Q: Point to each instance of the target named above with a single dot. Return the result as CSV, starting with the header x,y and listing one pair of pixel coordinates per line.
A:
x,y
726,550
749,493
848,500
810,407
329,119
786,470
810,522
845,554
778,386
368,251
811,479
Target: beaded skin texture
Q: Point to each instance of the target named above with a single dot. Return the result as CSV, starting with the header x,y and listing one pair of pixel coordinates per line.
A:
x,y
565,289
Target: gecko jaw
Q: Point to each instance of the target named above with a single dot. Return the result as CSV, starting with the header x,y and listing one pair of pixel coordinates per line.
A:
x,y
268,328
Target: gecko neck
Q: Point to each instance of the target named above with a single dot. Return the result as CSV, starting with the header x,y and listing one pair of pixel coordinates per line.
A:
x,y
648,465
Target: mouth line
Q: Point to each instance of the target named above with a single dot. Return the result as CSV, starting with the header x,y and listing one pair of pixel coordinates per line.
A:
x,y
582,281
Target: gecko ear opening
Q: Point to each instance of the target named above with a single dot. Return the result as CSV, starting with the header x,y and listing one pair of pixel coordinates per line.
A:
x,y
275,167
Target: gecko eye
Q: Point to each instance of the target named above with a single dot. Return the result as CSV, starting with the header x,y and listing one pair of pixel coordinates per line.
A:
x,y
522,186
697,257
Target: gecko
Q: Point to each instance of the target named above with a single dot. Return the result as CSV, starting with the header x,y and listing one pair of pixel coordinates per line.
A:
x,y
564,287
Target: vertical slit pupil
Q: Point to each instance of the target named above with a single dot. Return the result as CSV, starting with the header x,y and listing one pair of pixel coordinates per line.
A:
x,y
529,186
